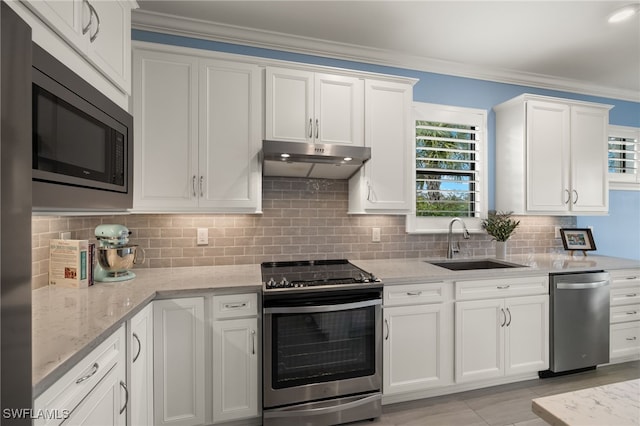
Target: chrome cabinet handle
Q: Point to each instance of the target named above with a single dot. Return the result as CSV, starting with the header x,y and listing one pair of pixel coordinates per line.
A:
x,y
509,312
503,287
85,29
135,336
253,342
568,196
95,35
631,338
235,305
94,370
126,393
576,200
386,323
631,295
193,186
504,316
201,184
310,128
632,313
414,293
317,128
631,278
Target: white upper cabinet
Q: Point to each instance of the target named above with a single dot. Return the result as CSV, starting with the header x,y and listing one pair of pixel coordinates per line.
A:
x,y
100,30
198,124
551,156
308,107
384,184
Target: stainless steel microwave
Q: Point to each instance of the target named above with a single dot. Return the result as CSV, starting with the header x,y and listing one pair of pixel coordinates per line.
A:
x,y
82,150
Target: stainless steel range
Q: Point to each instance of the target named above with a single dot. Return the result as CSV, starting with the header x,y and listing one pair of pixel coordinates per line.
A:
x,y
322,360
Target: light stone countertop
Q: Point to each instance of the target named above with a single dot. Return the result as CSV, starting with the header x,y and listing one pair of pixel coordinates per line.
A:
x,y
615,404
68,323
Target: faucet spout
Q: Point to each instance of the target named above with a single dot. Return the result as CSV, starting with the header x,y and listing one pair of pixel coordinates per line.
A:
x,y
465,234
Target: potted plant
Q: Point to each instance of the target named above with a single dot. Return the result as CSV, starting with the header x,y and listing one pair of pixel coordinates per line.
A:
x,y
500,226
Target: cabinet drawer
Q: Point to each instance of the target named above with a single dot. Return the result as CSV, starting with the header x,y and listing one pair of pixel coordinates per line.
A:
x,y
624,277
75,385
625,295
414,294
501,287
235,305
625,339
625,313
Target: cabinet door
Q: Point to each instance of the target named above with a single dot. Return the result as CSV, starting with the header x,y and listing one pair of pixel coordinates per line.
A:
x,y
418,347
235,369
547,153
527,334
625,341
66,17
178,358
589,156
384,184
230,136
479,340
289,105
165,102
141,367
110,41
106,404
339,110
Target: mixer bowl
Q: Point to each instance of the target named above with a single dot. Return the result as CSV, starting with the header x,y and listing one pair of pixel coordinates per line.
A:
x,y
118,259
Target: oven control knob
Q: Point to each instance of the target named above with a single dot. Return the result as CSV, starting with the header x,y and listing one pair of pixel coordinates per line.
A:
x,y
284,283
271,283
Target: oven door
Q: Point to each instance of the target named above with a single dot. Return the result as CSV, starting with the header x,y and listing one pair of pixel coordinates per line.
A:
x,y
321,345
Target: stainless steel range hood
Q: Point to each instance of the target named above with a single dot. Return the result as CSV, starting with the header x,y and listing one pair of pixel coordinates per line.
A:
x,y
325,161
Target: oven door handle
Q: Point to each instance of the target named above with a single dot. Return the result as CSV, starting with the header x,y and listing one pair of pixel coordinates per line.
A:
x,y
322,308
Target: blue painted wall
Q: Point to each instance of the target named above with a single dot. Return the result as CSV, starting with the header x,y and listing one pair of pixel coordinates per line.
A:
x,y
617,234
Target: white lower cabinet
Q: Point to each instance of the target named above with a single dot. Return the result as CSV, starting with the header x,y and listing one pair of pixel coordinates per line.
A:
x,y
236,351
93,392
141,367
417,338
179,361
500,337
625,315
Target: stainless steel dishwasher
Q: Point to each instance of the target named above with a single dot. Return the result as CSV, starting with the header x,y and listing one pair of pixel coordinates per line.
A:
x,y
579,323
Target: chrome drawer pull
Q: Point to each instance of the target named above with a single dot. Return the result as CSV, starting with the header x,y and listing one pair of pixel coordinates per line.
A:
x,y
631,295
631,278
632,313
253,342
235,305
631,338
503,287
126,394
94,370
135,336
414,293
504,318
386,322
509,312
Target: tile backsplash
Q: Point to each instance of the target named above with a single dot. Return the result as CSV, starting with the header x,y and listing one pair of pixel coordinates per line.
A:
x,y
302,219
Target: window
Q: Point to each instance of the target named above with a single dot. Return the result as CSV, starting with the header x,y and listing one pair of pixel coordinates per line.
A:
x,y
624,157
450,167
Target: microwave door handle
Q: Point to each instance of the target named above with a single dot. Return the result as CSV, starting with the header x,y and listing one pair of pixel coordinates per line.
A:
x,y
322,308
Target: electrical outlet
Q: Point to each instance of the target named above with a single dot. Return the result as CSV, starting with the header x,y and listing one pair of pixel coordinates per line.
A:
x,y
375,235
557,232
65,235
202,238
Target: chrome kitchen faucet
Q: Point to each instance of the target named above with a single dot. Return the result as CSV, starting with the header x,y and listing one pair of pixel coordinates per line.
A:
x,y
450,246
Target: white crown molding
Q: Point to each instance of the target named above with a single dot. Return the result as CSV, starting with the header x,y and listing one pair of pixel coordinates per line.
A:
x,y
187,27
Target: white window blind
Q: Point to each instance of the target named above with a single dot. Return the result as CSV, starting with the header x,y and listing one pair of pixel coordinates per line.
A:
x,y
450,167
624,154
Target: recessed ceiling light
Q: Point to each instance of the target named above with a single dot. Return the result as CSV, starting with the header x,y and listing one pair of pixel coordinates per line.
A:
x,y
623,13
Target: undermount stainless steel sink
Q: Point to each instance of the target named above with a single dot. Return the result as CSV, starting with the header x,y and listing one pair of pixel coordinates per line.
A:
x,y
467,265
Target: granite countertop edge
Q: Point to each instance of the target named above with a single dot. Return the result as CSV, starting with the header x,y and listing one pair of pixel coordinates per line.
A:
x,y
68,323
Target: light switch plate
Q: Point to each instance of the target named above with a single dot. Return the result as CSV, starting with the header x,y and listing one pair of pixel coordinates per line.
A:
x,y
375,235
202,238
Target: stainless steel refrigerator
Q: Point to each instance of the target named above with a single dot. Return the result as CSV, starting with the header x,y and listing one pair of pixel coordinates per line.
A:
x,y
15,218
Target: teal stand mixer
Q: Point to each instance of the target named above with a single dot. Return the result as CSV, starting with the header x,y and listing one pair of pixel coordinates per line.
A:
x,y
115,255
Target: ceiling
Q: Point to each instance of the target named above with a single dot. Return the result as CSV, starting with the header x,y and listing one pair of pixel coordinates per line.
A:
x,y
565,45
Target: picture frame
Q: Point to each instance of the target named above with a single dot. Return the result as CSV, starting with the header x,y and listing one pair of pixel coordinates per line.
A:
x,y
577,239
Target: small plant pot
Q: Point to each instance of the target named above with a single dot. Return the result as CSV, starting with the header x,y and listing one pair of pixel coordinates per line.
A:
x,y
501,249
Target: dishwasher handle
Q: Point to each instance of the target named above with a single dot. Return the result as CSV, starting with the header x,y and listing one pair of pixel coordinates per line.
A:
x,y
581,286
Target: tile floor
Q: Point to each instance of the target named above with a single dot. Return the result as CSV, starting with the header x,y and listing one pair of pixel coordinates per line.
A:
x,y
499,405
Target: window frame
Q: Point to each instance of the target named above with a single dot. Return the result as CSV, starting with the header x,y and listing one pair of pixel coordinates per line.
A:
x,y
621,181
451,114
